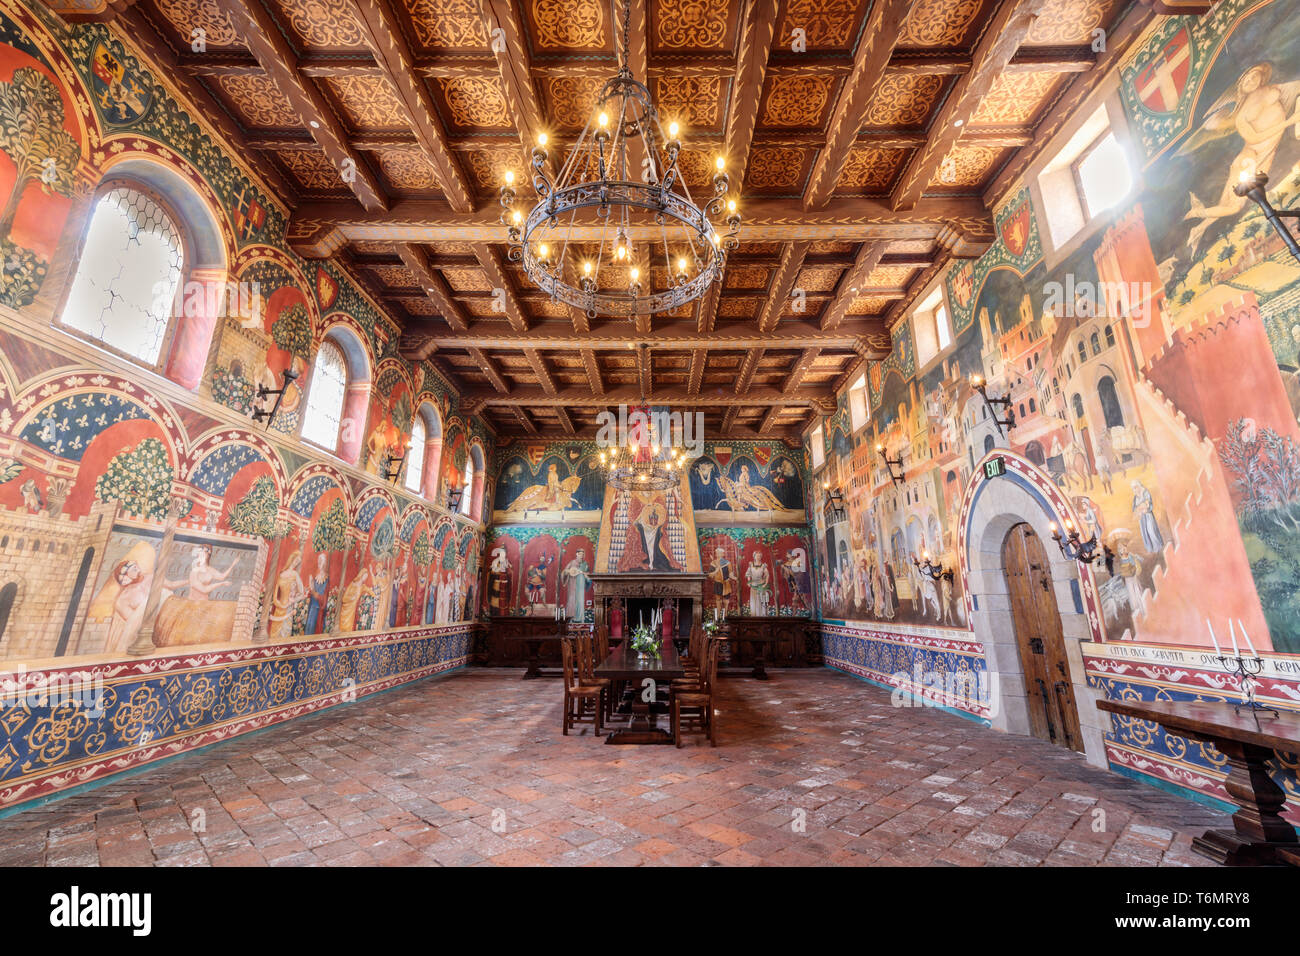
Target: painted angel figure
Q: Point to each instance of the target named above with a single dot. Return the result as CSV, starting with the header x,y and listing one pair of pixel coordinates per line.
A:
x,y
740,494
1259,112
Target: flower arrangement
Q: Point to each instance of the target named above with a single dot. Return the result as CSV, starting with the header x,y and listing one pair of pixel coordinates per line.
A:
x,y
711,627
644,641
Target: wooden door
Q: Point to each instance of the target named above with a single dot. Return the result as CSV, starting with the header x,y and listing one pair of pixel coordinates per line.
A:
x,y
1053,714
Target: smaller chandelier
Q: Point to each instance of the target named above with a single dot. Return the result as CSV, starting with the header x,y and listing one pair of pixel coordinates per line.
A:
x,y
645,463
620,183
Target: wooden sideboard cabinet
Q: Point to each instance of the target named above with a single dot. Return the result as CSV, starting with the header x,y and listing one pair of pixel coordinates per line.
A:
x,y
757,642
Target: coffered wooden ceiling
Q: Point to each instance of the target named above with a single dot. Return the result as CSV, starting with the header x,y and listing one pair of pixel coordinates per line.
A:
x,y
865,161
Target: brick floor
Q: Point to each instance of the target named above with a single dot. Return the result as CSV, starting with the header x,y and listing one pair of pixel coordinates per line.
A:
x,y
812,767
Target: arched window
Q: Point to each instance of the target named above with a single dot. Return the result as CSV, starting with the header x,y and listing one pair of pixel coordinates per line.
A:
x,y
1077,402
1110,408
1110,336
132,265
415,457
467,491
423,464
1083,352
1096,344
329,385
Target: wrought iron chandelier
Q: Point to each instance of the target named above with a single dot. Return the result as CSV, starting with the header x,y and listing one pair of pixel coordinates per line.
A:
x,y
596,201
646,462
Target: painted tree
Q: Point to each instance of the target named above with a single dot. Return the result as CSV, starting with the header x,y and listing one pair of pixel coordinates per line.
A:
x,y
255,513
292,331
331,531
32,135
421,550
140,478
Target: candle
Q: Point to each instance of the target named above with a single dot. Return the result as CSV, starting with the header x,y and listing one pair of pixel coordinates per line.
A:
x,y
1253,652
1232,632
1218,652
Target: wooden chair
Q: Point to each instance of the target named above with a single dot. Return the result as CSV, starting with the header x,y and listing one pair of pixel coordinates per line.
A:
x,y
576,693
691,663
692,703
587,673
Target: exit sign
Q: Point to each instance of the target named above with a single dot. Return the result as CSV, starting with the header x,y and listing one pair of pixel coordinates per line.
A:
x,y
995,468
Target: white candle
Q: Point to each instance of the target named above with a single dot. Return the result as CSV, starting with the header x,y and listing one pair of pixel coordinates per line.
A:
x,y
1232,632
1253,652
1218,652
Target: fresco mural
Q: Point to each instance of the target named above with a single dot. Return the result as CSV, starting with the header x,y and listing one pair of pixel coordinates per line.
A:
x,y
555,523
1152,375
743,482
549,482
143,514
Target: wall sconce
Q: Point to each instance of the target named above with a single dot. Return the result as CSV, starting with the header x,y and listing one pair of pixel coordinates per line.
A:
x,y
891,464
977,382
935,571
264,393
836,500
453,498
1085,552
393,466
1250,185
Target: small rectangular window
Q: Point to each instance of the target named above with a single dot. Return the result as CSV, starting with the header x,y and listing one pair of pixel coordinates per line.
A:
x,y
858,407
930,329
818,447
1089,175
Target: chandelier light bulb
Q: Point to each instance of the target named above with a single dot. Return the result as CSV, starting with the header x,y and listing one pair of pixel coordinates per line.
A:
x,y
654,449
593,190
516,217
731,205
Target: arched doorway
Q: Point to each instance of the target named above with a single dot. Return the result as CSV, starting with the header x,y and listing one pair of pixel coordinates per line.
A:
x,y
1036,620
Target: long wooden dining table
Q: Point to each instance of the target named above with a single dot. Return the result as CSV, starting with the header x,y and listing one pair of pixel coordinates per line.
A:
x,y
623,664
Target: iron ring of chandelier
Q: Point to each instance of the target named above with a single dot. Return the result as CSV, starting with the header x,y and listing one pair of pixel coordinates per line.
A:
x,y
636,195
594,181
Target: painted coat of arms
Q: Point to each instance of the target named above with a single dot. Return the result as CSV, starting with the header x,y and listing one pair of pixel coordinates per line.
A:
x,y
123,95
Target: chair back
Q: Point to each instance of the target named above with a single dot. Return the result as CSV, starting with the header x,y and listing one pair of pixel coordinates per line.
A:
x,y
709,673
602,642
695,646
586,668
567,654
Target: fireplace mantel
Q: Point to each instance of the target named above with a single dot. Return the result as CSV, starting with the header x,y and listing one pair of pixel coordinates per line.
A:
x,y
649,584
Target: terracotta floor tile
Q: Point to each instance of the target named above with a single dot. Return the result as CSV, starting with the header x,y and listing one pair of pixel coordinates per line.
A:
x,y
812,768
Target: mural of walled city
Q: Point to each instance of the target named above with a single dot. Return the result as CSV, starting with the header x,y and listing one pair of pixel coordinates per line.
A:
x,y
1167,412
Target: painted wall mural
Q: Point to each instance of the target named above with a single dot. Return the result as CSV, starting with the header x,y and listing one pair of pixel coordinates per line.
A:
x,y
209,574
555,522
1152,373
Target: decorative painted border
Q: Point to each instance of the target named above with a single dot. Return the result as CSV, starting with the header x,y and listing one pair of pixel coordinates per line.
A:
x,y
882,656
148,710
